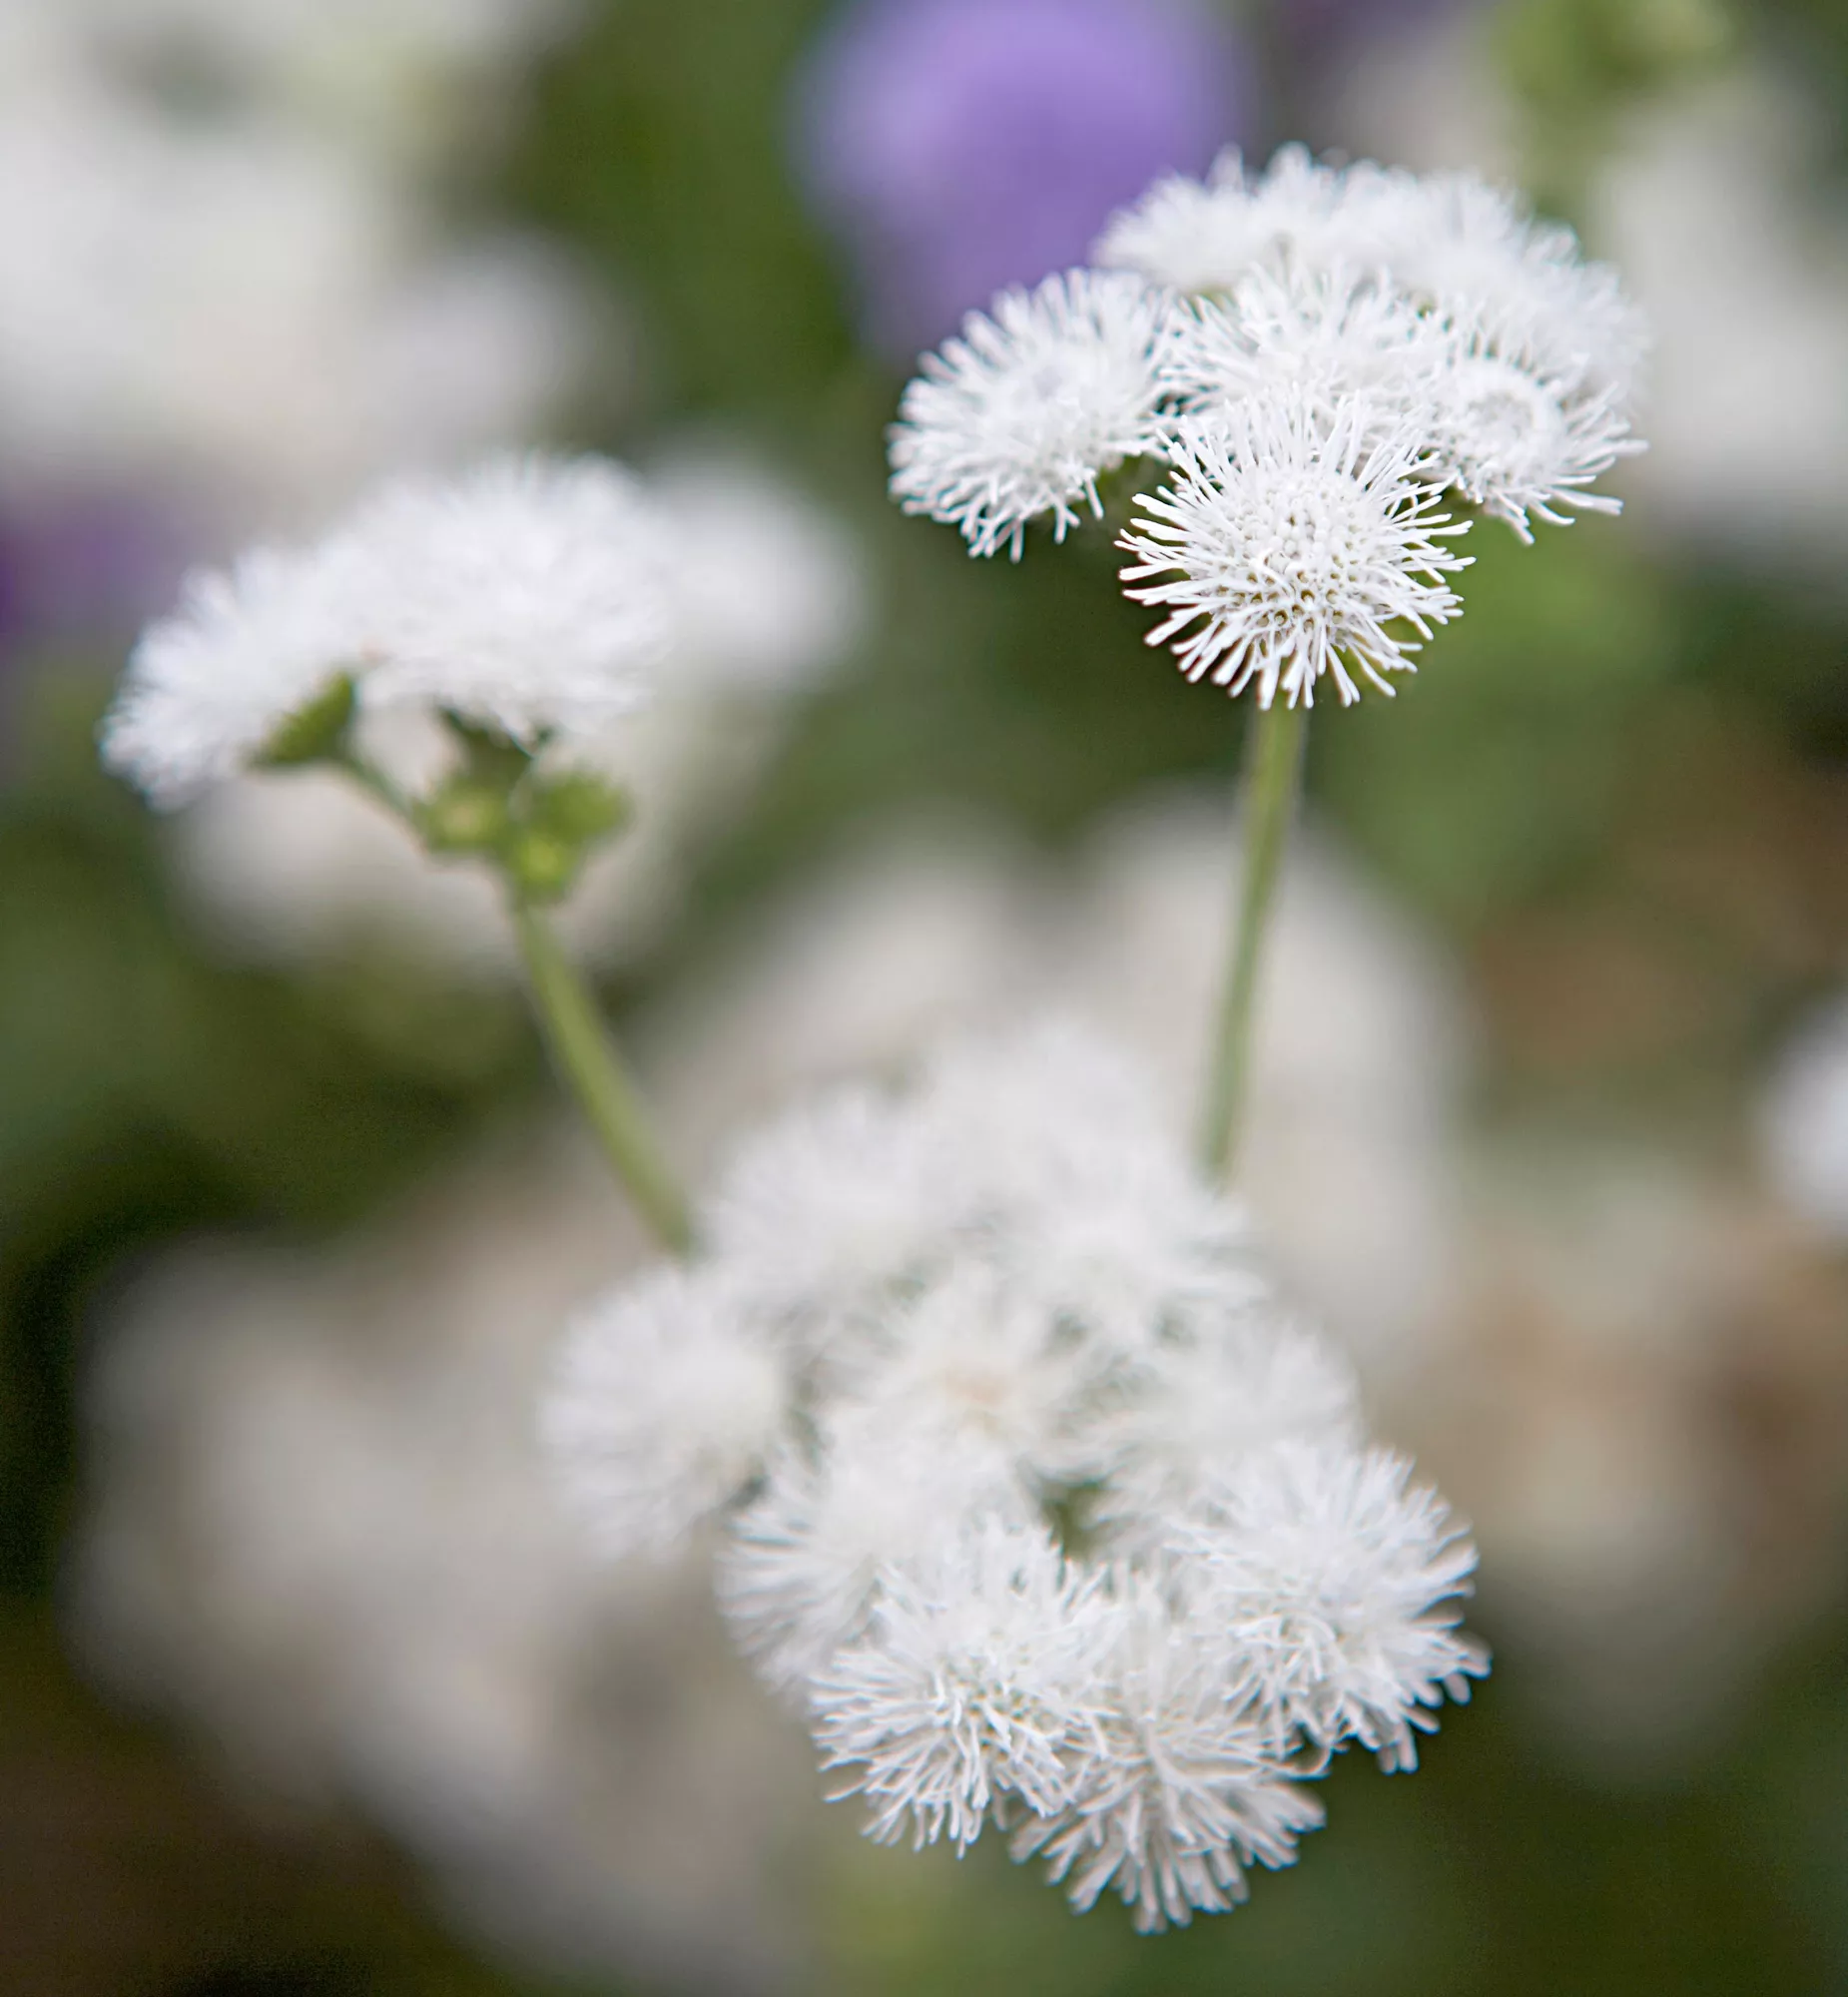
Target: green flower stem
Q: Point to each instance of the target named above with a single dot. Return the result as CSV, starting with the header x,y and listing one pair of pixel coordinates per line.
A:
x,y
587,1058
1273,778
375,783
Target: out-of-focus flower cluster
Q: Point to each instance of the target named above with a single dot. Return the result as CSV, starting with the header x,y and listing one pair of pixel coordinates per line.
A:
x,y
1638,1349
1037,1502
225,277
321,1534
624,632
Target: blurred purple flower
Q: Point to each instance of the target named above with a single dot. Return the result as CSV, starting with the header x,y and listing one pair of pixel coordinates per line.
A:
x,y
960,146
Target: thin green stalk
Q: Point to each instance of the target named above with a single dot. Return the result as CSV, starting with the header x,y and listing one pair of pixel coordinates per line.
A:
x,y
587,1058
1273,776
374,780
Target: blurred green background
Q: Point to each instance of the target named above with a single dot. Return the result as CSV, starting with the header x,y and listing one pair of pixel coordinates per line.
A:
x,y
1621,791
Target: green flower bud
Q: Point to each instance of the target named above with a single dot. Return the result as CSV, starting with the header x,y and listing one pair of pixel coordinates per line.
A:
x,y
543,866
464,816
579,807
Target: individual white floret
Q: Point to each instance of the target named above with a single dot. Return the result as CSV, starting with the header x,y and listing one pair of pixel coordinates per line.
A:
x,y
526,596
1196,236
1804,1122
662,1408
1521,444
988,1373
823,1211
1203,1410
1128,1246
799,1573
977,1369
209,687
1020,417
1338,1580
1325,333
1301,537
1470,251
1174,1791
975,1686
1077,1188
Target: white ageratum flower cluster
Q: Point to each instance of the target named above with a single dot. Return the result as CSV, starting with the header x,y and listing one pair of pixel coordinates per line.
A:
x,y
536,598
1319,356
1027,1490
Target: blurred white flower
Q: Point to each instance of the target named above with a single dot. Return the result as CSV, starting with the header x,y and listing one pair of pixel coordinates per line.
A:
x,y
1803,1122
1363,1055
1330,334
1473,252
955,1401
525,598
1297,214
1010,1152
1299,539
802,1572
209,687
1714,203
401,81
769,590
1020,416
247,309
301,863
231,295
1203,1411
1642,1400
660,1412
319,1529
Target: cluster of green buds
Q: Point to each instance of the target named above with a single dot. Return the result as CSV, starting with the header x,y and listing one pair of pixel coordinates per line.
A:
x,y
500,806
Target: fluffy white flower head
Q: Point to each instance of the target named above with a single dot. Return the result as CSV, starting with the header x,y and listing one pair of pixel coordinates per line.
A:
x,y
527,596
1173,1789
1338,1578
976,1368
978,1676
829,1206
802,1573
661,1409
1326,333
1030,1543
1468,250
1020,417
1299,542
1204,236
1206,1408
209,687
1523,445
